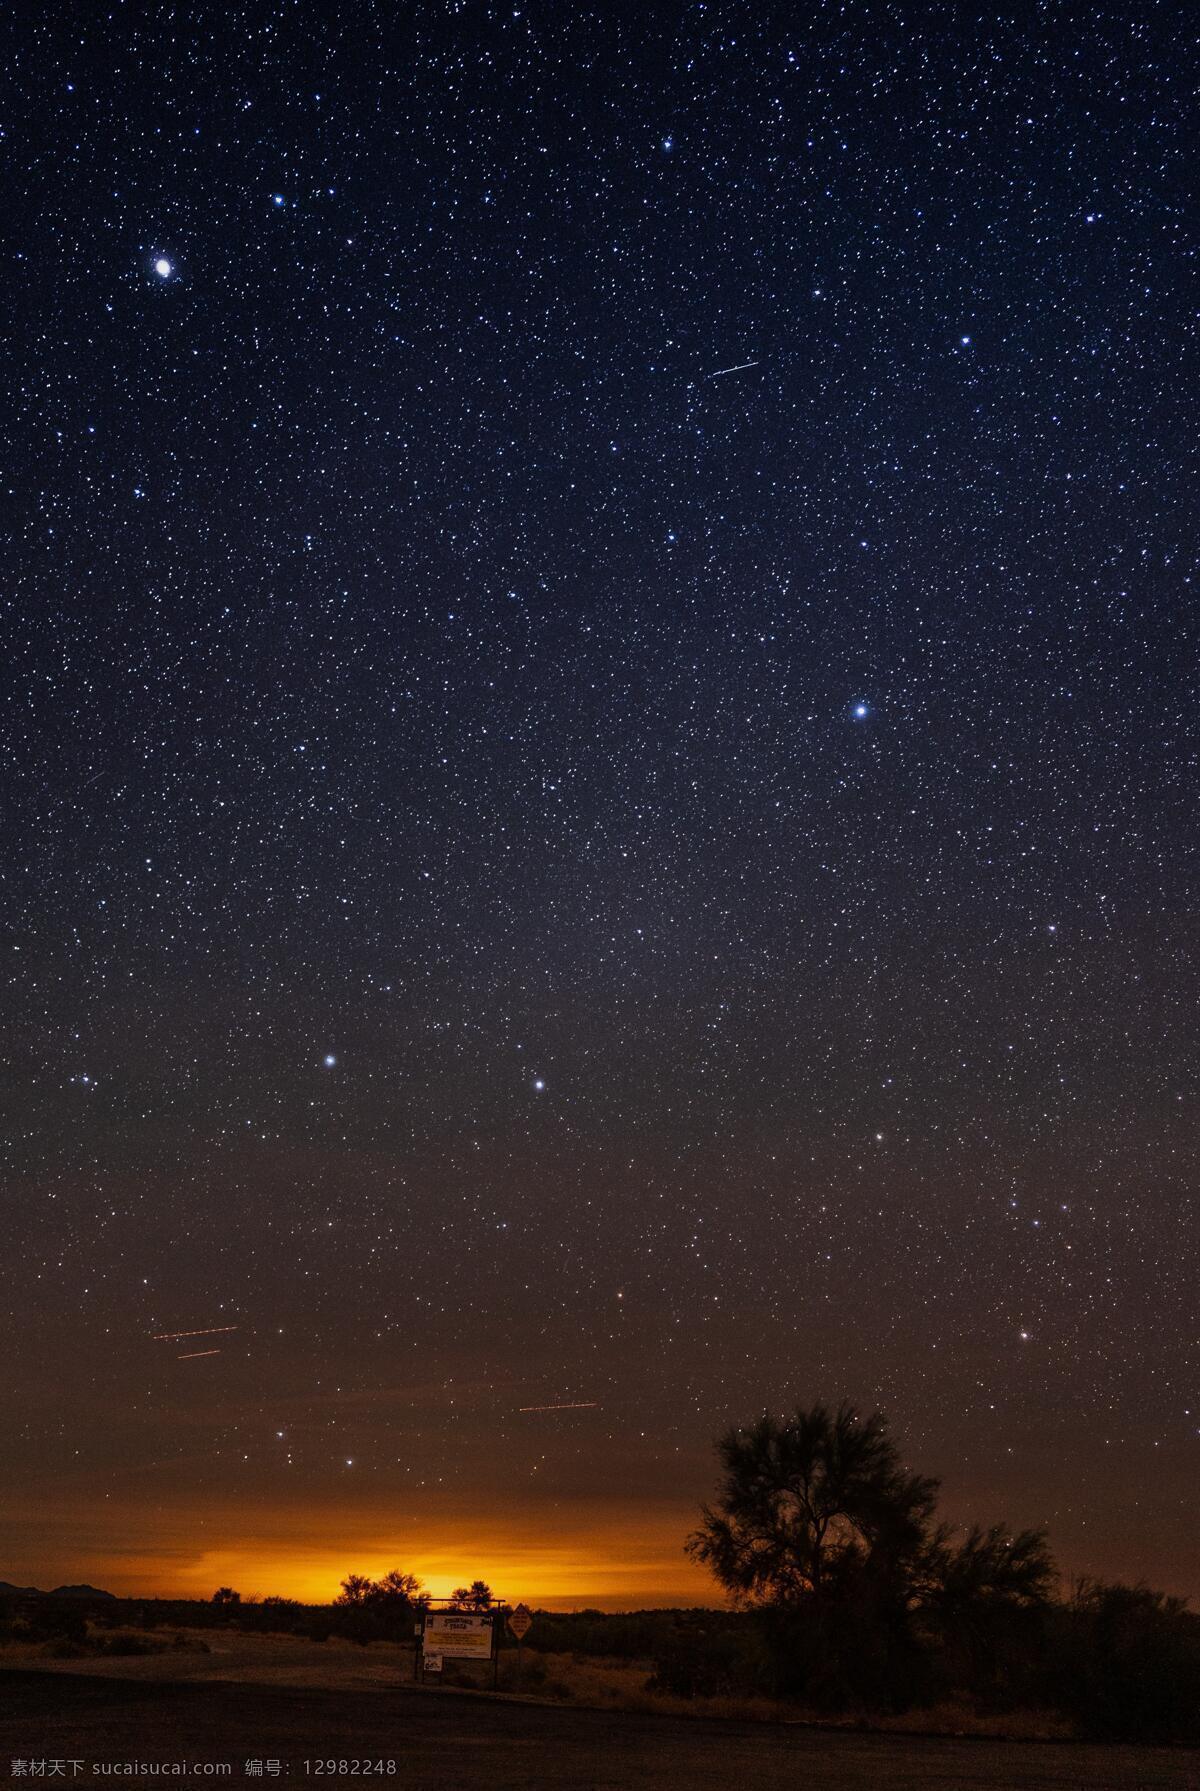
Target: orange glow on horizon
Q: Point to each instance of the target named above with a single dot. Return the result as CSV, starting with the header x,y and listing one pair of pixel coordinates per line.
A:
x,y
584,1557
533,1575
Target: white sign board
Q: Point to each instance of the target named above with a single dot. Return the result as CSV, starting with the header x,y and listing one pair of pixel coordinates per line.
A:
x,y
458,1635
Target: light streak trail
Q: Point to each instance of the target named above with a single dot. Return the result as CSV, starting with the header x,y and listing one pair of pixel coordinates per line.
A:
x,y
174,1336
581,1405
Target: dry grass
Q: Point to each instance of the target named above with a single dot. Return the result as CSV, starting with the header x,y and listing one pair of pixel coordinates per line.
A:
x,y
570,1680
230,1656
955,1717
605,1684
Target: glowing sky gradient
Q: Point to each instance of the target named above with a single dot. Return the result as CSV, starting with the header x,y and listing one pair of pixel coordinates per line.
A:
x,y
600,771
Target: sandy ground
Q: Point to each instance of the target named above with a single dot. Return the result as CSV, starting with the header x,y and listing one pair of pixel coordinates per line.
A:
x,y
241,1660
239,1708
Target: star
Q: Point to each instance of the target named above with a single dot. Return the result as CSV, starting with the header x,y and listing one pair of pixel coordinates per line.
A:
x,y
574,778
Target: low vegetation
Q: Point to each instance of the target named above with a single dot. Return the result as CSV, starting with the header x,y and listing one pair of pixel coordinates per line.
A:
x,y
848,1600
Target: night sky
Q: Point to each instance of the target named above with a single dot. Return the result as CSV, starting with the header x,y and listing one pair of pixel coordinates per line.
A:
x,y
600,770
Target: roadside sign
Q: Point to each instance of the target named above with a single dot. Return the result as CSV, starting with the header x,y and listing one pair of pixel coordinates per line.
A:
x,y
520,1621
459,1635
432,1663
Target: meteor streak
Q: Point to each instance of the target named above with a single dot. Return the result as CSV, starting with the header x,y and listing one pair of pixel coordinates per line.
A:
x,y
580,1405
195,1354
174,1336
740,368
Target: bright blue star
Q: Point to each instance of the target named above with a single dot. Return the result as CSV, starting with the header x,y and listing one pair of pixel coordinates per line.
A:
x,y
861,711
163,268
329,1060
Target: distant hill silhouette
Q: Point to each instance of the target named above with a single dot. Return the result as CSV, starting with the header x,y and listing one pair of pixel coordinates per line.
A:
x,y
8,1590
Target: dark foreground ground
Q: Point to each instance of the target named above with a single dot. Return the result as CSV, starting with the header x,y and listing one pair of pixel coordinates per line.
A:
x,y
453,1743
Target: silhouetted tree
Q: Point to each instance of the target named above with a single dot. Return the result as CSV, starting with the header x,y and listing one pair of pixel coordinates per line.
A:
x,y
475,1597
355,1590
818,1525
399,1588
806,1498
225,1598
376,1609
989,1568
984,1599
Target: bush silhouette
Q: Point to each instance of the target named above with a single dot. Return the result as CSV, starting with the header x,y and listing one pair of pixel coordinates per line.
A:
x,y
1127,1664
820,1528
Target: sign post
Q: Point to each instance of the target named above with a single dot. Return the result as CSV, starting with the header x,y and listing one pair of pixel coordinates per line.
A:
x,y
520,1621
455,1635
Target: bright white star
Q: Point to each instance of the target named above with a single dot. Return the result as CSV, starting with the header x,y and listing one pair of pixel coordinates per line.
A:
x,y
329,1060
163,268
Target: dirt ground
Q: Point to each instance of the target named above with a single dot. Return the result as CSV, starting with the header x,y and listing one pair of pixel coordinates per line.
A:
x,y
443,1740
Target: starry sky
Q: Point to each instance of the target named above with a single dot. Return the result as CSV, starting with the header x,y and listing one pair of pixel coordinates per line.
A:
x,y
600,777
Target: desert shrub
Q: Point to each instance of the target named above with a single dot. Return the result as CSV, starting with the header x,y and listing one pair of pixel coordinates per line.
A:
x,y
48,1620
1126,1665
532,1675
998,1656
124,1641
476,1674
844,1655
623,1635
382,1610
274,1616
697,1663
